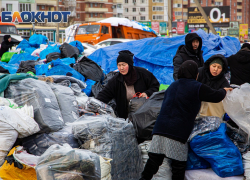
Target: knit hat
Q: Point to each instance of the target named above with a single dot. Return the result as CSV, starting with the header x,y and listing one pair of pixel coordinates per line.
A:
x,y
125,56
218,61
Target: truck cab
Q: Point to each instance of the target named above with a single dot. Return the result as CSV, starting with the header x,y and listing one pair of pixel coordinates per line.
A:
x,y
94,33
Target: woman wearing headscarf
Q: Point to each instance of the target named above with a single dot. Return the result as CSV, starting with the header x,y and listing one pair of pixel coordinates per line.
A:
x,y
127,82
175,122
213,75
6,44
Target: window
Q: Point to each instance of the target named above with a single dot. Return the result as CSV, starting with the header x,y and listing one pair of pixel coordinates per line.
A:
x,y
185,13
201,2
234,17
120,15
142,1
60,0
239,17
134,9
234,11
234,4
126,9
114,6
134,18
177,5
101,5
37,7
119,6
8,7
134,1
95,4
126,17
178,13
105,30
91,14
192,1
142,9
24,32
25,7
143,18
157,8
100,15
160,1
126,1
218,3
157,17
78,16
43,7
91,5
49,8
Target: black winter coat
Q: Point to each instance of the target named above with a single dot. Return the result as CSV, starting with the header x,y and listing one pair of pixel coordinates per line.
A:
x,y
240,67
5,45
186,52
215,82
146,82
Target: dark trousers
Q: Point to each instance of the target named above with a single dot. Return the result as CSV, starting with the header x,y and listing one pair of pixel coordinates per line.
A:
x,y
156,160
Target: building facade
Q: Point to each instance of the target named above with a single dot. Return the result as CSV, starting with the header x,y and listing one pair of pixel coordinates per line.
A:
x,y
137,10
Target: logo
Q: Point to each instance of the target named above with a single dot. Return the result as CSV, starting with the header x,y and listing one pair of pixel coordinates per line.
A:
x,y
32,17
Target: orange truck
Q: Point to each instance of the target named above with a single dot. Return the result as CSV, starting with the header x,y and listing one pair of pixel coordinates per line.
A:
x,y
96,32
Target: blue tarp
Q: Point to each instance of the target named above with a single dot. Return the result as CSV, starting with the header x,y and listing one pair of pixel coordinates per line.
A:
x,y
77,44
156,54
37,39
17,58
89,84
23,45
30,50
11,67
49,49
216,148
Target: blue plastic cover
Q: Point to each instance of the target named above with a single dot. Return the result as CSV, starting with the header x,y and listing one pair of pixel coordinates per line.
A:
x,y
156,54
17,58
77,44
30,50
23,45
12,68
49,49
68,60
196,162
88,89
37,39
216,148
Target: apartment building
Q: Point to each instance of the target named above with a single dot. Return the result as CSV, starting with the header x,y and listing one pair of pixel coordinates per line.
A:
x,y
137,10
117,8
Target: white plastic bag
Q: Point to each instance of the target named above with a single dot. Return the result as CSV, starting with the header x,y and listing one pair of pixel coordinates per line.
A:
x,y
105,168
37,52
237,106
19,120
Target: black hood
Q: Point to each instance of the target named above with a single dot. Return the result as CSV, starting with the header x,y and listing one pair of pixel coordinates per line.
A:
x,y
188,42
6,37
243,56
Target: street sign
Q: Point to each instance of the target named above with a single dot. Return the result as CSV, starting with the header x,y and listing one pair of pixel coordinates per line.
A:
x,y
155,26
243,31
163,27
180,27
233,32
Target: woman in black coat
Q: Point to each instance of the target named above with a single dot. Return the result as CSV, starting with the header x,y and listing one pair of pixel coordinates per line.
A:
x,y
213,75
6,44
127,82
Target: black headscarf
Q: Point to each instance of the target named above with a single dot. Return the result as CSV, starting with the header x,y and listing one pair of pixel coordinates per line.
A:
x,y
188,43
188,70
6,37
126,56
245,45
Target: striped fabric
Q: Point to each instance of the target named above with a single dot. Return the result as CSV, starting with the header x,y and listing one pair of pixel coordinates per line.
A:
x,y
171,148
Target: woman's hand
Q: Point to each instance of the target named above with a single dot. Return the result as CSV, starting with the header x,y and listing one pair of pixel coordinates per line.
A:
x,y
228,89
143,95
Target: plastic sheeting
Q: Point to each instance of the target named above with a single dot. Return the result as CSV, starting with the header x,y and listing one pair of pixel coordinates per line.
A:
x,y
111,138
64,162
156,54
237,104
48,50
12,68
68,50
17,58
207,174
77,44
94,105
196,162
246,162
37,144
37,39
164,172
216,148
39,95
144,118
204,125
67,102
23,45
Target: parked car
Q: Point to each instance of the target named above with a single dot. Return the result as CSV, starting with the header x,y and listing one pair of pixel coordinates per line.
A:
x,y
112,41
88,49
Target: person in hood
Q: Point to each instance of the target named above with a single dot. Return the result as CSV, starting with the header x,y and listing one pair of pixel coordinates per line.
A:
x,y
124,85
181,103
213,75
190,51
6,44
239,64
